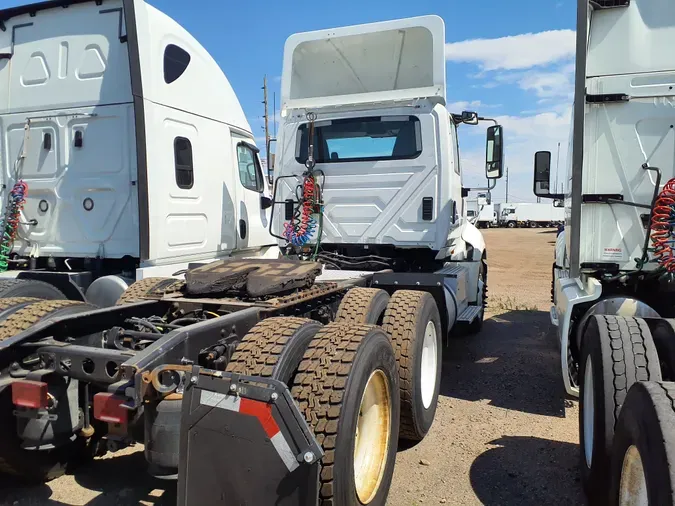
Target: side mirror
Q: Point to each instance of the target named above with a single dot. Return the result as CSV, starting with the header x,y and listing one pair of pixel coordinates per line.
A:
x,y
265,202
494,157
542,173
469,117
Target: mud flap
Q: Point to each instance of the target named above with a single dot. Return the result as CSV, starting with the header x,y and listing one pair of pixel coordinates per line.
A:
x,y
243,441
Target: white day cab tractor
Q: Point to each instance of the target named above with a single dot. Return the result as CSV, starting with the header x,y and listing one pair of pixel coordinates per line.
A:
x,y
614,271
280,380
109,157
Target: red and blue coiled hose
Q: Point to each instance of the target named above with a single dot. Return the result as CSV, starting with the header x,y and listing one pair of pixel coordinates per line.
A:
x,y
302,226
15,203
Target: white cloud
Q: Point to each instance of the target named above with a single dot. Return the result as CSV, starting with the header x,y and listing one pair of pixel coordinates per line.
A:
x,y
463,105
515,52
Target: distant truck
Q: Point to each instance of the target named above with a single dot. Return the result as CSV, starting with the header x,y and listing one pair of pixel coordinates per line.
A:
x,y
487,213
532,215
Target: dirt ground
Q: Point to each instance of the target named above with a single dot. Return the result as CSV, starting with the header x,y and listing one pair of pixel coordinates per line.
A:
x,y
505,434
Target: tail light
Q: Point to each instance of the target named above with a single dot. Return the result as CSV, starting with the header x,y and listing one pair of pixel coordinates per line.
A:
x,y
110,408
30,394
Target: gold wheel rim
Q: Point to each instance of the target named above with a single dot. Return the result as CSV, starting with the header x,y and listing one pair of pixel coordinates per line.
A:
x,y
371,444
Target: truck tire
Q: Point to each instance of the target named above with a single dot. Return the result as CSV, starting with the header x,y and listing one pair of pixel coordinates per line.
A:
x,y
274,348
511,224
533,224
347,385
643,454
616,352
140,289
29,288
414,326
35,466
363,305
30,314
13,304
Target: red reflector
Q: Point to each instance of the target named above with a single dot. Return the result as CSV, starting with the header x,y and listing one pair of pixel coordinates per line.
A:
x,y
108,408
30,394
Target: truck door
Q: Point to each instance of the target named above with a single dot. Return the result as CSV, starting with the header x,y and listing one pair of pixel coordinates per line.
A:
x,y
252,219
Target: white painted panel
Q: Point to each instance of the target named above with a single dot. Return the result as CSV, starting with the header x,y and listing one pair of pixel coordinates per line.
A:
x,y
102,172
620,138
65,58
197,222
632,39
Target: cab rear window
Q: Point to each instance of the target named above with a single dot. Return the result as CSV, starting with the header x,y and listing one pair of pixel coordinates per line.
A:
x,y
361,139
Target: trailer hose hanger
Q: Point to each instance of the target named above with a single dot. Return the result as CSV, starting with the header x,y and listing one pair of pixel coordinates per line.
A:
x,y
663,227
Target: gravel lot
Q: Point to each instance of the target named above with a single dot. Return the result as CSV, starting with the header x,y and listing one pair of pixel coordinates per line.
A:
x,y
504,434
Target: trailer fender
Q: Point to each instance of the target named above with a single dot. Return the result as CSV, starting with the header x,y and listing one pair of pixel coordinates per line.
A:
x,y
571,292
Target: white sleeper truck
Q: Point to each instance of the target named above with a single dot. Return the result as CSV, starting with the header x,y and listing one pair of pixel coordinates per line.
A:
x,y
614,272
283,380
113,168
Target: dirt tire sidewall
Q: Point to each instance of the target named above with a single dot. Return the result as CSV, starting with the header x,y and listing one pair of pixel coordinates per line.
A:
x,y
511,224
375,353
646,422
29,288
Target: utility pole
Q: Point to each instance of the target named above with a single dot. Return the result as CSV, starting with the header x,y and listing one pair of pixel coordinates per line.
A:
x,y
507,186
267,126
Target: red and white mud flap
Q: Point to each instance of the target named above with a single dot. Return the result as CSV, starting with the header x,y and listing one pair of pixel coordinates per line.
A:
x,y
244,441
260,410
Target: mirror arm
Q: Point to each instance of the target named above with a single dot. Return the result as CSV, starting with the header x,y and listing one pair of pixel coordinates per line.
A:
x,y
492,183
488,119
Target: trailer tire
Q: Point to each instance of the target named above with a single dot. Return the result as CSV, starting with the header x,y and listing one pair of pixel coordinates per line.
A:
x,y
346,369
274,348
363,305
643,454
139,290
414,326
29,288
36,466
616,352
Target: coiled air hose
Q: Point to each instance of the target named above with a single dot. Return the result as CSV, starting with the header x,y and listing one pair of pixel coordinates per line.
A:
x,y
663,227
15,203
302,226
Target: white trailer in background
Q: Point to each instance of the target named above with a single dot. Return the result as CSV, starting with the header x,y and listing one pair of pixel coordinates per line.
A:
x,y
486,213
532,215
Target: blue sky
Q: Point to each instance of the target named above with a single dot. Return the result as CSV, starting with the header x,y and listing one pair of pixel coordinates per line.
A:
x,y
511,60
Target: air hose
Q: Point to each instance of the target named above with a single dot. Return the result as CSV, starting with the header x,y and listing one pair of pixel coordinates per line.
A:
x,y
302,226
15,203
663,227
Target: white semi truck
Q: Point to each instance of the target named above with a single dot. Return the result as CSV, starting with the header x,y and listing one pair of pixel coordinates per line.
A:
x,y
108,154
614,271
532,215
483,215
316,362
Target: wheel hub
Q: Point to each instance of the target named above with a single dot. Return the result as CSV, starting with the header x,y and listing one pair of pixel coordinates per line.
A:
x,y
429,365
372,440
589,412
633,488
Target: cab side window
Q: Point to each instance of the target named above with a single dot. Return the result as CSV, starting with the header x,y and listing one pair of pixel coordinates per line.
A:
x,y
250,173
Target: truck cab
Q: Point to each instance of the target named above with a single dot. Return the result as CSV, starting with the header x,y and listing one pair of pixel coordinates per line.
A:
x,y
364,107
125,172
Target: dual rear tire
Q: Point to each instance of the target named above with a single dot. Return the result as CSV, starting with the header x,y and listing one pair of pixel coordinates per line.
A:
x,y
343,377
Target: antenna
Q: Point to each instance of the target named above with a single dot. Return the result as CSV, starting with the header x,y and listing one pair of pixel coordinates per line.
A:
x,y
267,126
